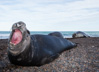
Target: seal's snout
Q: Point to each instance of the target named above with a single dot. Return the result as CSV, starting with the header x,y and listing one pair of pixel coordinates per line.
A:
x,y
18,25
17,32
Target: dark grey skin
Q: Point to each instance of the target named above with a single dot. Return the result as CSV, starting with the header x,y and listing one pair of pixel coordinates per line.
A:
x,y
80,34
57,34
35,50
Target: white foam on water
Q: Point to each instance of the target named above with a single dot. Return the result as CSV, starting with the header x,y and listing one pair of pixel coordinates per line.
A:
x,y
4,36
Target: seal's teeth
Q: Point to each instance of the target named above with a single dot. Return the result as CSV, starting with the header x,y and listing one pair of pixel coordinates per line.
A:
x,y
10,42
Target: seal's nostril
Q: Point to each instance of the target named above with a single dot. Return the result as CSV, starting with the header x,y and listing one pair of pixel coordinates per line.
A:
x,y
16,24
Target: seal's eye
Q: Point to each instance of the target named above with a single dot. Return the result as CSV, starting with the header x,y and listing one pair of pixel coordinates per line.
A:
x,y
28,31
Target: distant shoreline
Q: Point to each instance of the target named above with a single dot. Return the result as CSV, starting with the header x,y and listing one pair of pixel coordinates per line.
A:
x,y
66,34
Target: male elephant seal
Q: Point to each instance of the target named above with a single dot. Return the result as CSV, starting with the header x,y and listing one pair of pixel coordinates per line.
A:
x,y
80,34
57,34
34,50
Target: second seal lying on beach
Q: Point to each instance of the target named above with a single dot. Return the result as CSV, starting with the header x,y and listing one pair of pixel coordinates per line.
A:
x,y
34,50
80,34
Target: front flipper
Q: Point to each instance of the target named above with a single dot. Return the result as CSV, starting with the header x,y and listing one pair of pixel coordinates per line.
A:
x,y
49,59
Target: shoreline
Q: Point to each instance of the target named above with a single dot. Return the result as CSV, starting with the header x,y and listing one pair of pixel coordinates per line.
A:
x,y
84,57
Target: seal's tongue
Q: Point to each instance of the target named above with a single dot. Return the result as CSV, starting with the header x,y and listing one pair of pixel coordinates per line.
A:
x,y
16,37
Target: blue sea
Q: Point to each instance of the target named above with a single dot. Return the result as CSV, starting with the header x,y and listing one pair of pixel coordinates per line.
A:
x,y
66,34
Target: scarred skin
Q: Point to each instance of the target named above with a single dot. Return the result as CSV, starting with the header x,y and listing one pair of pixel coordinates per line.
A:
x,y
35,50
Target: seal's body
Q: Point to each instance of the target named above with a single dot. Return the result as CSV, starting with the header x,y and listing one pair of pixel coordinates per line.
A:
x,y
34,50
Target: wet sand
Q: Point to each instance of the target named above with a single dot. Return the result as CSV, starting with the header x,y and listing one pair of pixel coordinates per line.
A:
x,y
83,58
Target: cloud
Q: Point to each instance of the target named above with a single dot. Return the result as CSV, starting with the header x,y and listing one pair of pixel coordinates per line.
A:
x,y
51,13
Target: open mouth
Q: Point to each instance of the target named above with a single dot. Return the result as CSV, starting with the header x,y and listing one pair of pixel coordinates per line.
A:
x,y
16,37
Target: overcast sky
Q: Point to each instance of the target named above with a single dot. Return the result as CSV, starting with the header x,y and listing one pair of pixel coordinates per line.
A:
x,y
50,15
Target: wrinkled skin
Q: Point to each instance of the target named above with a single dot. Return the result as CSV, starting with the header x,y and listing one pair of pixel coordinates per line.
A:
x,y
34,50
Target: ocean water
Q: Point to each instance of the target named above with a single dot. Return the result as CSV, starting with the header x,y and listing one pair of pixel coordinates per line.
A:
x,y
66,34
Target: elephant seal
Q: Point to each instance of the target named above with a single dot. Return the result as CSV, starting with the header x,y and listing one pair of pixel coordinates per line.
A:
x,y
34,50
57,34
80,34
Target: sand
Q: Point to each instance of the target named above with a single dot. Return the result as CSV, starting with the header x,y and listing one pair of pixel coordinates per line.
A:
x,y
83,58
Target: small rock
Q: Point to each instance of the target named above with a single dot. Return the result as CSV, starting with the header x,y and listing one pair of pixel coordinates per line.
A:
x,y
93,46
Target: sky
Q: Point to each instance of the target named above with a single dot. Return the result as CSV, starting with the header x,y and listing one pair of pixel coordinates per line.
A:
x,y
50,15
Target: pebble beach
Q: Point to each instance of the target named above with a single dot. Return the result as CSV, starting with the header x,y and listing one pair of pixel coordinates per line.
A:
x,y
83,58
